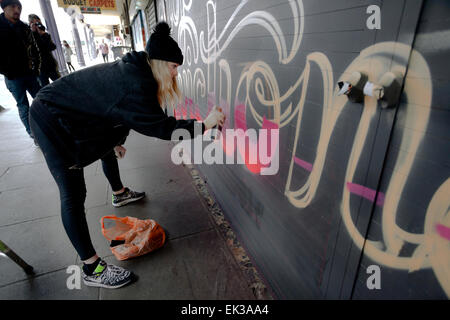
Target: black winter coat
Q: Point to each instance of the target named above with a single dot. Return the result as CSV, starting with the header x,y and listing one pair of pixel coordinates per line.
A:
x,y
97,106
19,54
46,46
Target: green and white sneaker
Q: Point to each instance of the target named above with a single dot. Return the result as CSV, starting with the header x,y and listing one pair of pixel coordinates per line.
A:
x,y
126,197
107,276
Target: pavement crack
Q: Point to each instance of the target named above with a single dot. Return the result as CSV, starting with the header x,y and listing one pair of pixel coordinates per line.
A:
x,y
7,169
27,221
32,277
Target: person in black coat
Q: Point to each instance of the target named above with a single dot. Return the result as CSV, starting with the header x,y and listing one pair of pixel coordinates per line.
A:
x,y
49,66
49,69
20,60
83,116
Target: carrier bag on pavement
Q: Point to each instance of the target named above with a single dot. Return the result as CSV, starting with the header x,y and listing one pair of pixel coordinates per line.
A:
x,y
138,237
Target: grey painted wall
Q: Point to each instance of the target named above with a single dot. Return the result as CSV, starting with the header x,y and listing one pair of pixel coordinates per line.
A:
x,y
357,185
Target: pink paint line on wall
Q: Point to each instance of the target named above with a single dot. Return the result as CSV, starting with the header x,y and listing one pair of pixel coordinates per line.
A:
x,y
366,193
443,231
305,165
188,110
240,122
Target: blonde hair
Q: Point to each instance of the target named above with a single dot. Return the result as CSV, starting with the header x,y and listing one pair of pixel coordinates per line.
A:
x,y
168,91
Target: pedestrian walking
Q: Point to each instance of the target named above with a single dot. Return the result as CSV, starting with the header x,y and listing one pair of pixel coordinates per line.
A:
x,y
68,55
49,66
104,50
20,59
76,121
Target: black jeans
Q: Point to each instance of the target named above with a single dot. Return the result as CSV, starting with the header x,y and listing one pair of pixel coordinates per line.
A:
x,y
72,190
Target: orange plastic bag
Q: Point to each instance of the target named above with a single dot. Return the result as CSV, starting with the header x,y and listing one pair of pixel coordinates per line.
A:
x,y
140,236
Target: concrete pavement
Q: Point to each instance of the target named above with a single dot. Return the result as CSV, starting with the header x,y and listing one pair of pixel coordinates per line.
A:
x,y
201,259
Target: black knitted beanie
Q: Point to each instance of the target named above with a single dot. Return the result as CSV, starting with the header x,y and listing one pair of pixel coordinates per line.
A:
x,y
161,46
6,3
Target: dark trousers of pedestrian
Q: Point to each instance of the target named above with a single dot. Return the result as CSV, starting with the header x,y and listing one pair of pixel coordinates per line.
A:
x,y
19,88
105,57
46,75
72,190
69,64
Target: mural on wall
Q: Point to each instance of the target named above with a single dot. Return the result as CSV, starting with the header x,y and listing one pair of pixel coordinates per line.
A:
x,y
253,94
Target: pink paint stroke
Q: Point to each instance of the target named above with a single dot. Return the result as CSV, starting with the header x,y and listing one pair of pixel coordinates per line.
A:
x,y
443,231
305,165
240,122
366,193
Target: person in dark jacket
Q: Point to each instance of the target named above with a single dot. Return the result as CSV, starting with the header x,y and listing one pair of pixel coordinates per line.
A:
x,y
49,69
83,116
49,66
20,60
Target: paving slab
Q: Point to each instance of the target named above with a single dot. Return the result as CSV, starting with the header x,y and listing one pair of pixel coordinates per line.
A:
x,y
152,179
25,204
42,243
179,214
25,175
50,286
194,267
